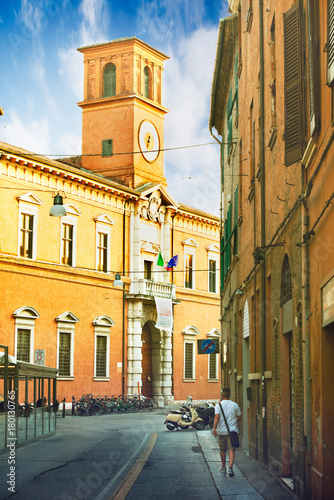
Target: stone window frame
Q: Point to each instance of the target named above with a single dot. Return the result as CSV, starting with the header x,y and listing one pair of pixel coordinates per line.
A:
x,y
214,334
189,337
102,326
28,204
66,324
103,225
71,219
25,318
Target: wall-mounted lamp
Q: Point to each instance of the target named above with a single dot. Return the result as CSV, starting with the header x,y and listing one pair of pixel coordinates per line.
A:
x,y
118,281
239,292
58,209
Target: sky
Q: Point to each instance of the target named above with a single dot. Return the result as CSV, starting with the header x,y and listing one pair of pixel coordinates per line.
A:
x,y
42,78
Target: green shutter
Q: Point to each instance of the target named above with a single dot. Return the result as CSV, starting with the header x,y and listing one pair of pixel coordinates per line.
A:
x,y
293,86
107,147
235,219
222,274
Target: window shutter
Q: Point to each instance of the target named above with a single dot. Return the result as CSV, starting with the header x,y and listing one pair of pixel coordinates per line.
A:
x,y
330,42
293,86
107,147
313,63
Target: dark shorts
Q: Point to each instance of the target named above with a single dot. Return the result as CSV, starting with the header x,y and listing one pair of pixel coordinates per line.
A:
x,y
225,444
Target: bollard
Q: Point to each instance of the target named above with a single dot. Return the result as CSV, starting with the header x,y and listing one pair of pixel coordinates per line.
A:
x,y
64,408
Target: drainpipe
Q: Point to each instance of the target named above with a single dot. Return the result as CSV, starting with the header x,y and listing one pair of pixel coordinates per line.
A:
x,y
263,241
221,253
306,341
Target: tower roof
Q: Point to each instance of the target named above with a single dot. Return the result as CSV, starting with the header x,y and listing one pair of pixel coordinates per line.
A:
x,y
123,40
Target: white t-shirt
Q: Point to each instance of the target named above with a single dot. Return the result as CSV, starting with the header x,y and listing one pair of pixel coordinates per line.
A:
x,y
232,411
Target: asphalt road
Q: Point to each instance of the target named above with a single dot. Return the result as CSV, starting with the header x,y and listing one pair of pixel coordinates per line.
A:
x,y
92,457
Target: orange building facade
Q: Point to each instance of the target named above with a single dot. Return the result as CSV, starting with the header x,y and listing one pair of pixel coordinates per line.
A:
x,y
58,272
272,111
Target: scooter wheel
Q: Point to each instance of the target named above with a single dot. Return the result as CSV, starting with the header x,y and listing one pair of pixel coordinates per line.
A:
x,y
199,426
171,427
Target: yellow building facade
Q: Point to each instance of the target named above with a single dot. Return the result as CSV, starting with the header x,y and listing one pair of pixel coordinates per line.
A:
x,y
57,273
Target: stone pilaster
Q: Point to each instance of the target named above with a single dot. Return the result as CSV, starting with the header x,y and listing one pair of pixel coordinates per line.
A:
x,y
135,315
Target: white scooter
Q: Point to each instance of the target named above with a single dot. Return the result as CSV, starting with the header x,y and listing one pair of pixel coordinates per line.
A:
x,y
183,420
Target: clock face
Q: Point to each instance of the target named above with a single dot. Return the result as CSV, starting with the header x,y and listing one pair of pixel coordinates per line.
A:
x,y
149,141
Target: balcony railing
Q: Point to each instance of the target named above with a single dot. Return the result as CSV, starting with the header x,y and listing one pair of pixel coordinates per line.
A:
x,y
148,288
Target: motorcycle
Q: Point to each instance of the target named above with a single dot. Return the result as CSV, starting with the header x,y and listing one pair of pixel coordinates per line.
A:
x,y
184,419
207,414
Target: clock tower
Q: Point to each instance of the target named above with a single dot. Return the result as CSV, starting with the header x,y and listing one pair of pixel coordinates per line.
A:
x,y
122,114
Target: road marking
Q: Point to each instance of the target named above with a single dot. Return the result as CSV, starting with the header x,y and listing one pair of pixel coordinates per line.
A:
x,y
131,477
108,487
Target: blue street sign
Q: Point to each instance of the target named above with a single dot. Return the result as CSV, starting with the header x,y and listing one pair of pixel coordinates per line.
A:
x,y
208,346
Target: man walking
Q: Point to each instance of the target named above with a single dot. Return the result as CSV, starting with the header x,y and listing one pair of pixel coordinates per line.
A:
x,y
233,415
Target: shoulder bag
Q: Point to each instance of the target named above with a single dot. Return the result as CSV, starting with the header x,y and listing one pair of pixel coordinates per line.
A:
x,y
234,438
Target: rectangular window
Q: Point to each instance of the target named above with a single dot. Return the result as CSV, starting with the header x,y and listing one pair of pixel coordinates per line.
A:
x,y
188,271
189,360
212,366
147,269
26,239
23,345
67,244
107,147
102,252
101,356
212,276
64,361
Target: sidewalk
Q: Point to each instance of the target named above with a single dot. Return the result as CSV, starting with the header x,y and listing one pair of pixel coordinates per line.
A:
x,y
251,481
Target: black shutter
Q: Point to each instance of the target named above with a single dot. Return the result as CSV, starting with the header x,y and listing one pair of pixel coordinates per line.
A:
x,y
293,86
330,42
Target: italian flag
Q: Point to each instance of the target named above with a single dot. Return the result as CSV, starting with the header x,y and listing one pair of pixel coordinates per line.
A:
x,y
160,260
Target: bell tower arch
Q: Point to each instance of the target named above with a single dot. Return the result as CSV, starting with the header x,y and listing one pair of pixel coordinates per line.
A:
x,y
122,112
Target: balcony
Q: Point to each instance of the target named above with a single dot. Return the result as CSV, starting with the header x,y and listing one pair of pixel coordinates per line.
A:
x,y
150,289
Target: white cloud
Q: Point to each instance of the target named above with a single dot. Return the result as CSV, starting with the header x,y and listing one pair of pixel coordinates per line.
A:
x,y
92,29
187,82
33,136
31,16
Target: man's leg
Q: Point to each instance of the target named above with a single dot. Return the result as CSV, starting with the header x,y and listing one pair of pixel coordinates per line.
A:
x,y
223,458
231,455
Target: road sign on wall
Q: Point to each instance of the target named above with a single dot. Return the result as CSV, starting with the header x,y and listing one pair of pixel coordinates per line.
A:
x,y
208,346
40,357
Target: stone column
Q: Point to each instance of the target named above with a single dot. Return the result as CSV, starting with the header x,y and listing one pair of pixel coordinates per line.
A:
x,y
135,315
166,366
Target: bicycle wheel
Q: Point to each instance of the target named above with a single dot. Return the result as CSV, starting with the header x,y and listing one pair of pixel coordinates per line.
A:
x,y
134,407
95,409
149,406
78,409
155,405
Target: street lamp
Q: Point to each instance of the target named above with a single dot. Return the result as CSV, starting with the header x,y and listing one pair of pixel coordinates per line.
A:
x,y
118,281
58,209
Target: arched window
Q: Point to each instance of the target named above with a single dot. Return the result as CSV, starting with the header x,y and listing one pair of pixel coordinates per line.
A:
x,y
109,80
286,289
146,82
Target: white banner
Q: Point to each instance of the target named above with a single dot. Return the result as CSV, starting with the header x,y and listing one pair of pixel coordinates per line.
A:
x,y
164,313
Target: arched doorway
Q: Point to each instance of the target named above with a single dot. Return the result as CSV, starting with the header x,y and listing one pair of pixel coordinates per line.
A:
x,y
146,351
288,369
